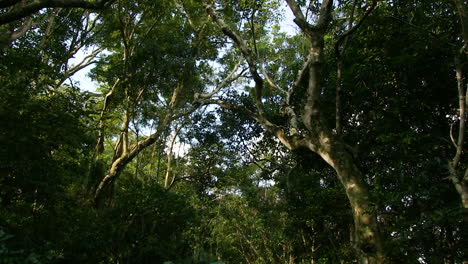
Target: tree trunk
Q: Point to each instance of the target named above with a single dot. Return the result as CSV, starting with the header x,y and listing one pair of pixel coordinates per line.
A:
x,y
461,183
106,183
119,163
367,239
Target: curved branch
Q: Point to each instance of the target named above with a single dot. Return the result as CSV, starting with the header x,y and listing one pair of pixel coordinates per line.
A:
x,y
290,141
107,100
88,60
120,161
342,41
170,157
322,22
460,186
451,136
300,76
230,78
22,29
246,52
461,128
32,7
271,82
300,20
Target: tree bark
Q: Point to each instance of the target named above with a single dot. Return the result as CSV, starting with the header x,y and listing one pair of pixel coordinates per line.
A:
x,y
119,163
367,238
461,182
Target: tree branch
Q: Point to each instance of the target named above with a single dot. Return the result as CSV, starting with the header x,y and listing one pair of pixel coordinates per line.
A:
x,y
315,34
223,83
169,157
107,100
353,29
460,186
34,6
290,141
120,161
271,83
300,76
322,22
88,60
246,52
339,67
22,29
300,20
325,15
461,103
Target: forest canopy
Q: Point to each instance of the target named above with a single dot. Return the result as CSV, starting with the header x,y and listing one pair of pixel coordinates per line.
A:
x,y
233,131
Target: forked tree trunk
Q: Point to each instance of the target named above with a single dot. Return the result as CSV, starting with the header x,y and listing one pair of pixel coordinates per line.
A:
x,y
366,241
317,137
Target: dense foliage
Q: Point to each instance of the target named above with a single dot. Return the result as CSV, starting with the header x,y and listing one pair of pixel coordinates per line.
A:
x,y
180,156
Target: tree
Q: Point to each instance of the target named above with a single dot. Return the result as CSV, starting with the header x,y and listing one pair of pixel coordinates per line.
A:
x,y
290,144
461,185
153,82
44,133
306,126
